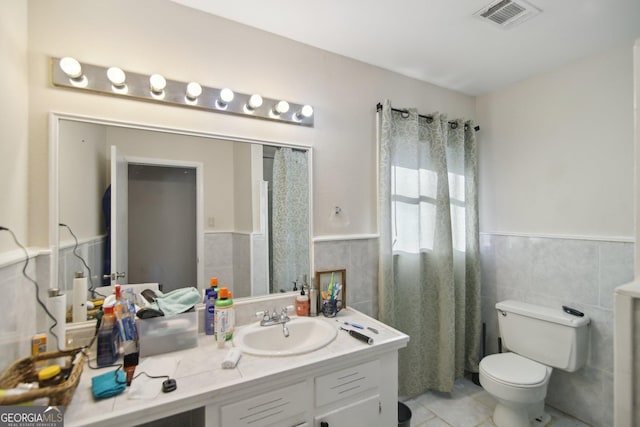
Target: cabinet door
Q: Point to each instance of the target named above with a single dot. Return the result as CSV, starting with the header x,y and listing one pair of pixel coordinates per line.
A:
x,y
338,386
281,407
365,412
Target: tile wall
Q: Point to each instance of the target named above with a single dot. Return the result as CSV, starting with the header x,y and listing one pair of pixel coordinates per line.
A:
x,y
555,272
360,258
545,271
226,255
18,303
636,367
92,252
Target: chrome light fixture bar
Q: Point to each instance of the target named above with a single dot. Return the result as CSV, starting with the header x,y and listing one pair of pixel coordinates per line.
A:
x,y
70,73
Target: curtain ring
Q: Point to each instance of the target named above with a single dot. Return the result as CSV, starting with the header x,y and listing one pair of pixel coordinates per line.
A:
x,y
454,125
429,119
404,114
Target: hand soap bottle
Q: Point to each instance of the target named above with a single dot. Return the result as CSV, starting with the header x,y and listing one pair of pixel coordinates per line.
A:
x,y
302,304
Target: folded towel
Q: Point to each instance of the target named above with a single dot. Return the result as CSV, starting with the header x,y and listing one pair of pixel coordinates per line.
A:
x,y
231,360
177,301
108,384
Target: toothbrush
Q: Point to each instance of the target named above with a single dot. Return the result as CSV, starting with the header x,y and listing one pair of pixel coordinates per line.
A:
x,y
355,325
330,288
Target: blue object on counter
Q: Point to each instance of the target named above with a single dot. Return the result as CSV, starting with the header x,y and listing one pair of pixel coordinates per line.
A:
x,y
355,325
108,384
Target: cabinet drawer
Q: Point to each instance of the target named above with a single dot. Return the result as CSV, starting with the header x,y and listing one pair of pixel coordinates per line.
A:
x,y
362,413
347,382
268,409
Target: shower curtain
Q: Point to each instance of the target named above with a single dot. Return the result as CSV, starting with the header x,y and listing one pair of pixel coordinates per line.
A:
x,y
429,281
290,218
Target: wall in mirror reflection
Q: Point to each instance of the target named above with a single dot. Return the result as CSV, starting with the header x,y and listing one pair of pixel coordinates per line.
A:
x,y
235,230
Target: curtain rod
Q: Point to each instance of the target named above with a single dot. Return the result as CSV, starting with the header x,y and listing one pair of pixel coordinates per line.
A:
x,y
405,111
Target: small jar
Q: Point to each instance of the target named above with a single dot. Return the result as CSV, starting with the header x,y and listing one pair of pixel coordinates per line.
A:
x,y
50,376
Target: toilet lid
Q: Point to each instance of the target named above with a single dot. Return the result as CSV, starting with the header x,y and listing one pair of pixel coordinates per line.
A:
x,y
512,368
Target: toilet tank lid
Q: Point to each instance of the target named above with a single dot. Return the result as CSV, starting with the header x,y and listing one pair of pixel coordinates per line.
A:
x,y
543,313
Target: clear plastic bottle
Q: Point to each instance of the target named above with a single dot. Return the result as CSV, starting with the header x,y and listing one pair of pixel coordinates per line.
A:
x,y
107,351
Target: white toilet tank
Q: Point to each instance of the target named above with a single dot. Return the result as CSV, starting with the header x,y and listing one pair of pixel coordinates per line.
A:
x,y
546,335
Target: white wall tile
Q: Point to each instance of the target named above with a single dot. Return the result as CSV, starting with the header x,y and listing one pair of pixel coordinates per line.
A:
x,y
554,272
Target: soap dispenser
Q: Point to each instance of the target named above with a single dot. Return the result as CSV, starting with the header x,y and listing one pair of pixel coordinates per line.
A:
x,y
302,304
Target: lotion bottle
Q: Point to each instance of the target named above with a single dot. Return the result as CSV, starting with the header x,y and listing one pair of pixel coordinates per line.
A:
x,y
302,304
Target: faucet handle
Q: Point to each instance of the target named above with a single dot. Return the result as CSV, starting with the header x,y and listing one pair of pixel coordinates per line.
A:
x,y
283,316
264,314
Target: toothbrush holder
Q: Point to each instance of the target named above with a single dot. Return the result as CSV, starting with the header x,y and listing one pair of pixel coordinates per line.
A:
x,y
331,307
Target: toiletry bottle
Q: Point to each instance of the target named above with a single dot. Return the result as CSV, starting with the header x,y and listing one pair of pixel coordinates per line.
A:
x,y
302,304
209,307
125,314
313,302
107,339
224,314
232,317
39,345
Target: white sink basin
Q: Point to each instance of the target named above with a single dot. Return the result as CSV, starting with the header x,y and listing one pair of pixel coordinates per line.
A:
x,y
305,334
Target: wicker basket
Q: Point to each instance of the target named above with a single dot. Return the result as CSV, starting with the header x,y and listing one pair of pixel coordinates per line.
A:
x,y
24,371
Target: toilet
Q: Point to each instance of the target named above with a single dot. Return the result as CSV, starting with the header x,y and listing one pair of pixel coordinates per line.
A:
x,y
537,340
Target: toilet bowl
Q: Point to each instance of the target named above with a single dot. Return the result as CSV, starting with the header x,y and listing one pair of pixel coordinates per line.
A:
x,y
519,385
538,340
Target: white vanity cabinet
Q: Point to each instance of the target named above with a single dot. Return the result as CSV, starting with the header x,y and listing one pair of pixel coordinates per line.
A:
x,y
362,392
286,406
349,397
365,412
347,383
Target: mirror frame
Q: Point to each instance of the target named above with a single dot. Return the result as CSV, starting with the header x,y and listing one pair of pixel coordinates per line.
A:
x,y
54,183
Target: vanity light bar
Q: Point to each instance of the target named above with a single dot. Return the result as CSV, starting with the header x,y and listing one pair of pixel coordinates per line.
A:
x,y
69,73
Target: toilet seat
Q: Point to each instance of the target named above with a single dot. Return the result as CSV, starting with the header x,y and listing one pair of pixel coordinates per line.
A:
x,y
514,370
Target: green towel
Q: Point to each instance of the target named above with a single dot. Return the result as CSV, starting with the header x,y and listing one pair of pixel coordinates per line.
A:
x,y
108,384
177,301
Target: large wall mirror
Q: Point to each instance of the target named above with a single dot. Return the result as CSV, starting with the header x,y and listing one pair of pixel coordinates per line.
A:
x,y
156,205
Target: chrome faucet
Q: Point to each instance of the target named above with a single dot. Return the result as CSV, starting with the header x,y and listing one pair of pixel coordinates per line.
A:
x,y
274,318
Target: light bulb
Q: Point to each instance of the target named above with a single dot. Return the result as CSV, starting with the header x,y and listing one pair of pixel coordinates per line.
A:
x,y
194,90
305,112
116,76
226,96
281,107
71,67
255,101
158,83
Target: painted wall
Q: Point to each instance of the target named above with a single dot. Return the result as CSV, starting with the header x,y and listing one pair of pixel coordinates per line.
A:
x,y
220,53
83,168
556,154
636,107
216,157
14,149
556,208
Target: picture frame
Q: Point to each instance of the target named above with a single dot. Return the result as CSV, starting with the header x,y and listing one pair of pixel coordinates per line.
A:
x,y
322,279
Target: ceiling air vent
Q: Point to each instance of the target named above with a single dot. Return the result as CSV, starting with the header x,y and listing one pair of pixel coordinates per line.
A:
x,y
507,13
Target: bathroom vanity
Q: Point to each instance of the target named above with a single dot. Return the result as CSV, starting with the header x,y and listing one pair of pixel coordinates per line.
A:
x,y
345,383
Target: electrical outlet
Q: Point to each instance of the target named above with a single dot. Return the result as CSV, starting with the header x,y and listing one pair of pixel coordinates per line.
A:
x,y
212,222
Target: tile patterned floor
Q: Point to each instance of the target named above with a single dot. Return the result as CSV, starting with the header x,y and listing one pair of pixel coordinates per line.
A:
x,y
467,406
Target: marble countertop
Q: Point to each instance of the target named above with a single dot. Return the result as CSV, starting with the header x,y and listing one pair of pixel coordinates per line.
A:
x,y
201,379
